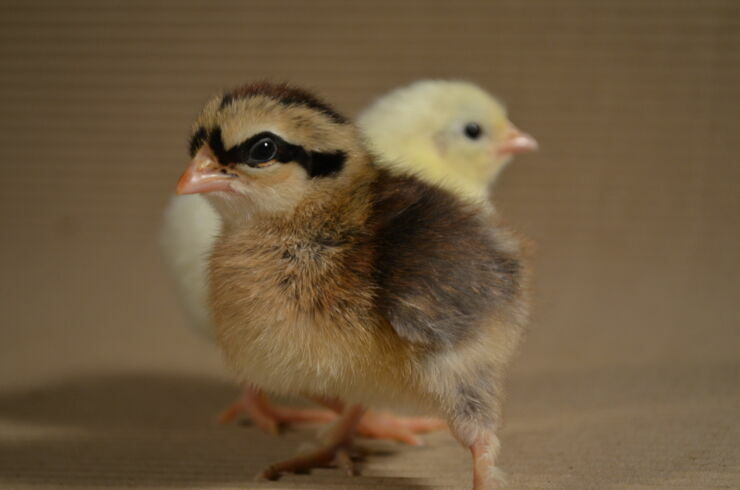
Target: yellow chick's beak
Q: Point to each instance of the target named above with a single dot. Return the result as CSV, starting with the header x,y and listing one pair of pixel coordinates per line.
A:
x,y
516,141
204,174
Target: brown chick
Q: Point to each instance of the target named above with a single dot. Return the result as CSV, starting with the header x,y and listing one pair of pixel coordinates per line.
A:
x,y
333,278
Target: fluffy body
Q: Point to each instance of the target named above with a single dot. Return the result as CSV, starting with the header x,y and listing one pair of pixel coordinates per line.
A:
x,y
371,310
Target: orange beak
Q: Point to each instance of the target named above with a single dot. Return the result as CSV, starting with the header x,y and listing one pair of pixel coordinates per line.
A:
x,y
204,174
516,141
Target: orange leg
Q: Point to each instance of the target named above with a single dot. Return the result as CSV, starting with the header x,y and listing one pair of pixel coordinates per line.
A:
x,y
384,425
268,417
337,449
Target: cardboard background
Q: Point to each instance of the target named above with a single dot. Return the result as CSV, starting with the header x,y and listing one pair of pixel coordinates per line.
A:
x,y
630,376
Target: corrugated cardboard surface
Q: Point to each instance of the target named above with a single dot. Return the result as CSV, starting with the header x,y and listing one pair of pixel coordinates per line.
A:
x,y
631,374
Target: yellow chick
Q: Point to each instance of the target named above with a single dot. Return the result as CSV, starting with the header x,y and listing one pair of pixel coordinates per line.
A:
x,y
451,133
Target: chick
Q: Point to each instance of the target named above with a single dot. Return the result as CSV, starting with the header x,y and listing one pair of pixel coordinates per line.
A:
x,y
446,132
451,133
337,279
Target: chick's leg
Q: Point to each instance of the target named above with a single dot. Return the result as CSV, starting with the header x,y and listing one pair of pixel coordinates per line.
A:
x,y
337,449
486,476
385,425
474,415
268,417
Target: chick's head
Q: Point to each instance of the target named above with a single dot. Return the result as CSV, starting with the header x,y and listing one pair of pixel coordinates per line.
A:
x,y
264,147
448,132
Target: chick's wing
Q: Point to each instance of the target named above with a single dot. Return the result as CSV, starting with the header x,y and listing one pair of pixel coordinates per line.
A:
x,y
442,265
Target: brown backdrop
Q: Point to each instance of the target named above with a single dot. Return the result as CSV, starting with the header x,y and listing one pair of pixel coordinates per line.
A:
x,y
630,375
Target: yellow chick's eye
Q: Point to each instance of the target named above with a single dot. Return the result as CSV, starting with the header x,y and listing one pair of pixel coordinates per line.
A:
x,y
473,130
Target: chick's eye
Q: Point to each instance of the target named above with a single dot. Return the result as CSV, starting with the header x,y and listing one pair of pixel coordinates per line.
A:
x,y
263,151
473,130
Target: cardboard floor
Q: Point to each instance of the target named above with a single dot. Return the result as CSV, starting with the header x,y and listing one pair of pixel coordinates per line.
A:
x,y
630,377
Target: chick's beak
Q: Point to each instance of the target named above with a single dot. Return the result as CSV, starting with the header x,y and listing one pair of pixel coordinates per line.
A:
x,y
204,174
516,141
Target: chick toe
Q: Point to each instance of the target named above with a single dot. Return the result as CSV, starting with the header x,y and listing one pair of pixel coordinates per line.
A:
x,y
271,418
384,425
336,451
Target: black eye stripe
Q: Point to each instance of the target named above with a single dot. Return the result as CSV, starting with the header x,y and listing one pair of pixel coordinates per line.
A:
x,y
316,164
239,154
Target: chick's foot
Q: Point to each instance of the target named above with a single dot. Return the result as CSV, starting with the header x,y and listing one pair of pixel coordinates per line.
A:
x,y
383,425
271,418
336,451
